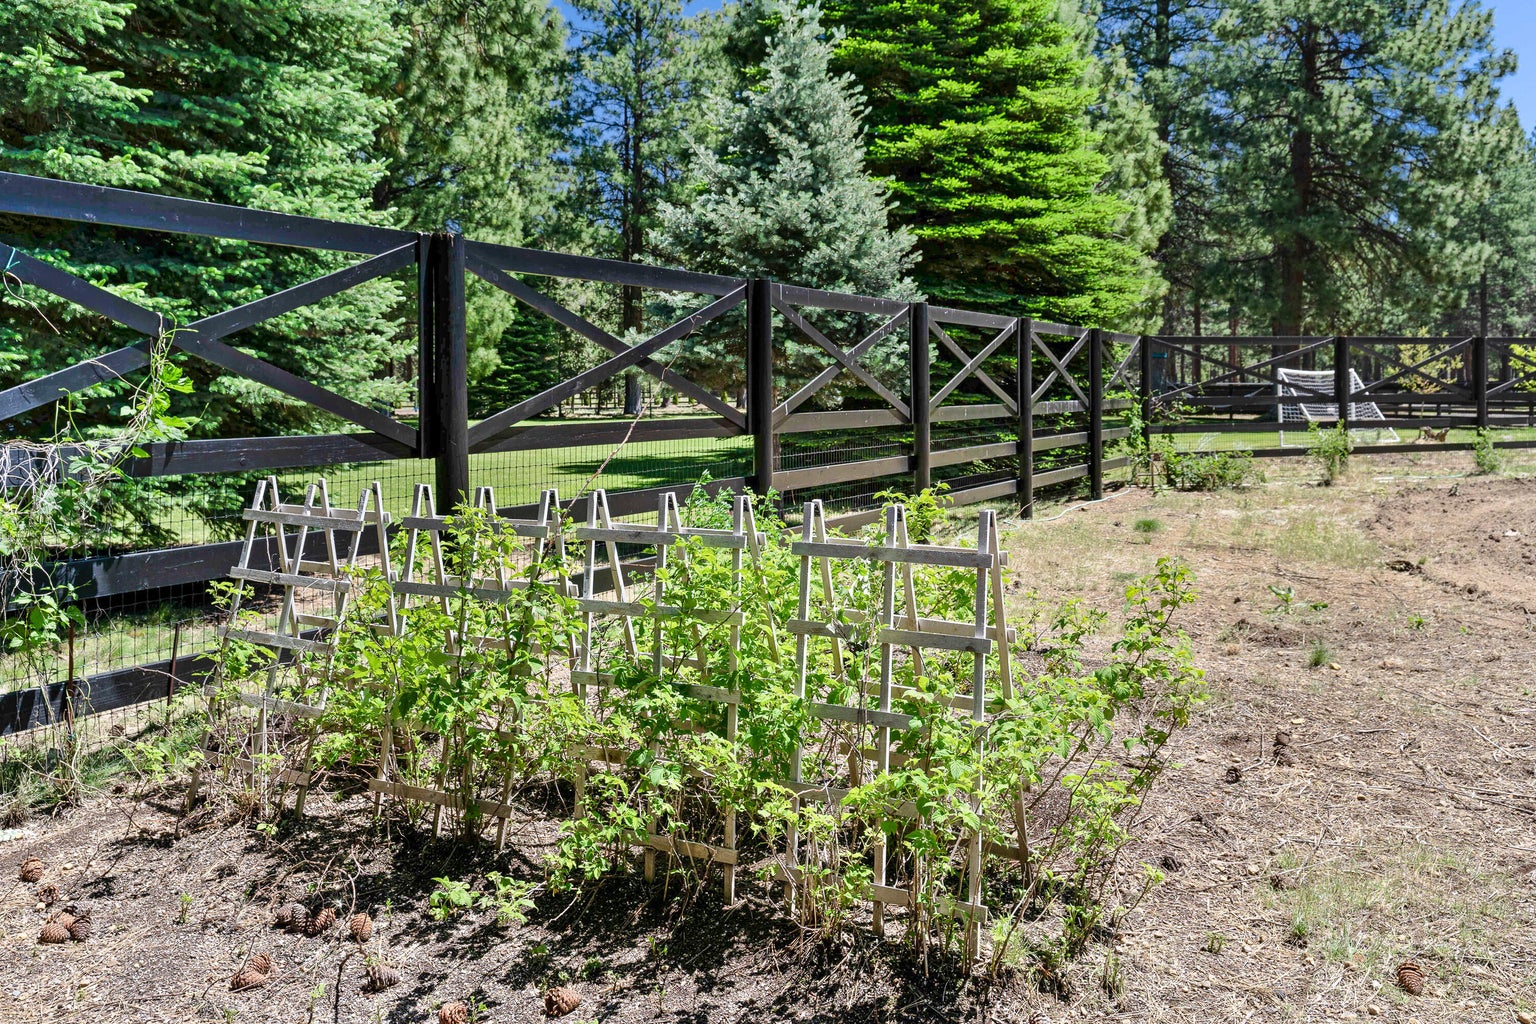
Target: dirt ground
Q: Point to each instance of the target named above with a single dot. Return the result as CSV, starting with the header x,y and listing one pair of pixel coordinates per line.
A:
x,y
1404,828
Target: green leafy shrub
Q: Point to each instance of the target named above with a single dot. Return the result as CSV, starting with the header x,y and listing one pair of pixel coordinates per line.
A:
x,y
1330,448
475,698
1209,471
1485,456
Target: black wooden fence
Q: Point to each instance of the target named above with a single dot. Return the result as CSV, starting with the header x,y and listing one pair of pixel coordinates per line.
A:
x,y
993,406
1438,391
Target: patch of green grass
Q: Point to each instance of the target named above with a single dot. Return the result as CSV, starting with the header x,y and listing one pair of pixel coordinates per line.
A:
x,y
1320,656
1147,525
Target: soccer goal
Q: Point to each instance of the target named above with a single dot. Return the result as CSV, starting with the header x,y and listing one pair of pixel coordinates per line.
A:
x,y
1309,409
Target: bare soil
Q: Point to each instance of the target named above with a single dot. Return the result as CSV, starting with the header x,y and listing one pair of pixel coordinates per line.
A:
x,y
1384,623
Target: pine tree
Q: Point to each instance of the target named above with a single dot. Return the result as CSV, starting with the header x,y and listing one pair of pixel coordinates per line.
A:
x,y
1161,44
782,192
1352,140
266,105
470,144
1499,297
637,68
978,115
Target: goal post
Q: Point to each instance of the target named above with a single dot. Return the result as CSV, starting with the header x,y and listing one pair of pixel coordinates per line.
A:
x,y
1310,389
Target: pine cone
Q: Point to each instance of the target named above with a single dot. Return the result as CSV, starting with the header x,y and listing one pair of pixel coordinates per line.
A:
x,y
296,918
1283,758
282,917
381,977
246,977
1234,774
81,929
560,1001
31,869
63,919
1039,1017
322,922
54,933
453,1013
1282,738
260,963
1410,978
48,894
361,927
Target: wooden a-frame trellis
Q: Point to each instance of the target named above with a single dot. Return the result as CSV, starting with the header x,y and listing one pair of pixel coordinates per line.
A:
x,y
664,537
827,619
303,638
425,527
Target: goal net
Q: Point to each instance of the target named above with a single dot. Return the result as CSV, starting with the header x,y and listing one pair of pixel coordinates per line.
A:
x,y
1308,388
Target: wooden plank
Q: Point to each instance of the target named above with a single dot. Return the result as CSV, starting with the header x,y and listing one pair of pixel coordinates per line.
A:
x,y
279,640
969,318
985,492
960,558
818,299
30,196
1060,476
937,641
537,436
1066,408
861,716
288,776
841,473
689,850
246,454
827,630
626,534
974,453
288,579
40,706
518,260
586,329
335,521
279,705
966,413
848,419
627,503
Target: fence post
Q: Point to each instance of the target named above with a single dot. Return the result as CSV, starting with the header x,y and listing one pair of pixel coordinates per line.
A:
x,y
426,351
1341,387
451,371
1026,402
918,398
1480,379
760,397
1095,414
1144,355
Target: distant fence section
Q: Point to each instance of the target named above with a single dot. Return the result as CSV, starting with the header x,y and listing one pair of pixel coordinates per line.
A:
x,y
748,383
1262,394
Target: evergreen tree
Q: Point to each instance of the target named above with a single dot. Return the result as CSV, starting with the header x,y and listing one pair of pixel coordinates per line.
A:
x,y
1352,139
978,115
782,193
1498,293
637,68
266,105
471,141
1160,44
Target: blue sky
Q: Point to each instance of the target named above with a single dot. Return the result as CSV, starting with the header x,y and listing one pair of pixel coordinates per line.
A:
x,y
1514,26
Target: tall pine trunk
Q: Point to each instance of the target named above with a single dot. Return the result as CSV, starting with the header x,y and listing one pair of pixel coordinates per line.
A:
x,y
1296,252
